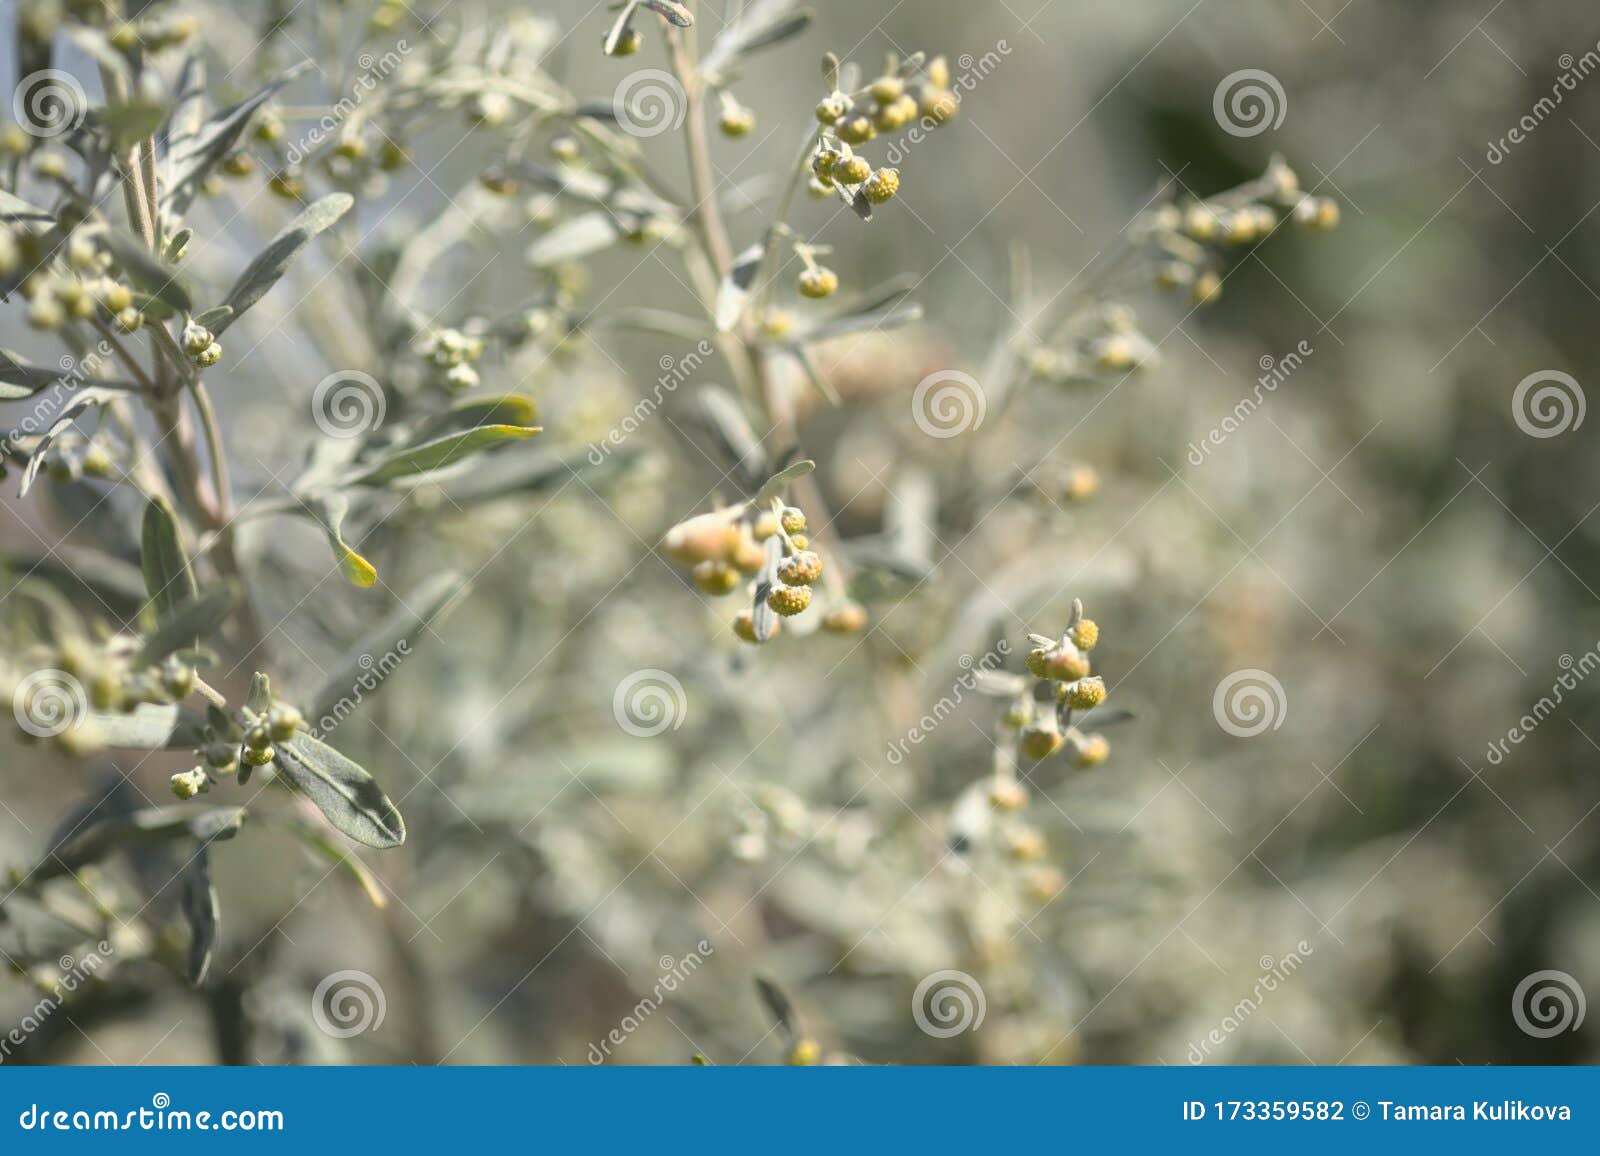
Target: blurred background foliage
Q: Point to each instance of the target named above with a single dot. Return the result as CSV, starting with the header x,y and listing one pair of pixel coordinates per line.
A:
x,y
1380,536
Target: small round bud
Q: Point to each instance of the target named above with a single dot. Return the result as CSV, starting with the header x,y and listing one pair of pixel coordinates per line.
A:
x,y
793,519
938,72
188,784
258,757
1207,288
887,89
392,156
800,569
493,109
258,737
1019,713
799,541
287,185
461,378
882,186
628,43
208,356
1009,796
1174,274
857,130
818,282
177,678
1201,222
497,181
283,722
351,147
715,577
1038,661
240,164
1039,741
851,618
1091,751
269,127
222,756
1085,634
744,625
1085,693
1066,664
737,122
789,600
565,149
46,313
129,320
1046,883
1080,484
833,108
938,105
853,171
195,338
776,324
818,188
805,1053
1025,845
823,164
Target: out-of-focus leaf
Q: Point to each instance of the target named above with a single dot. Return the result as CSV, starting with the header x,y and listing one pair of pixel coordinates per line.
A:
x,y
127,124
272,262
186,624
536,471
20,379
657,321
760,25
674,12
575,238
81,400
148,273
397,635
329,511
763,618
733,440
776,483
168,580
349,797
509,409
441,452
93,840
816,376
779,1004
734,292
191,157
147,727
202,909
333,853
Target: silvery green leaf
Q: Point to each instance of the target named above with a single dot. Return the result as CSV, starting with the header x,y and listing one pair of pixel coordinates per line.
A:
x,y
202,909
272,262
734,292
260,697
619,27
91,841
830,71
339,857
329,511
776,484
440,452
574,238
349,797
861,205
215,317
186,624
536,471
191,157
824,386
657,321
674,12
168,579
20,378
397,635
176,244
96,45
128,124
779,1004
1000,683
81,400
734,441
148,273
763,618
147,727
760,25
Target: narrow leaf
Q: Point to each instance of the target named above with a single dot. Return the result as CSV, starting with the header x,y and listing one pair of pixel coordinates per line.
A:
x,y
776,484
272,262
575,238
349,797
189,622
149,273
734,292
202,909
441,452
329,511
168,580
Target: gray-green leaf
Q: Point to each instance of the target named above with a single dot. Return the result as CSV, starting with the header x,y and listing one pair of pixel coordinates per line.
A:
x,y
168,579
272,262
349,797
